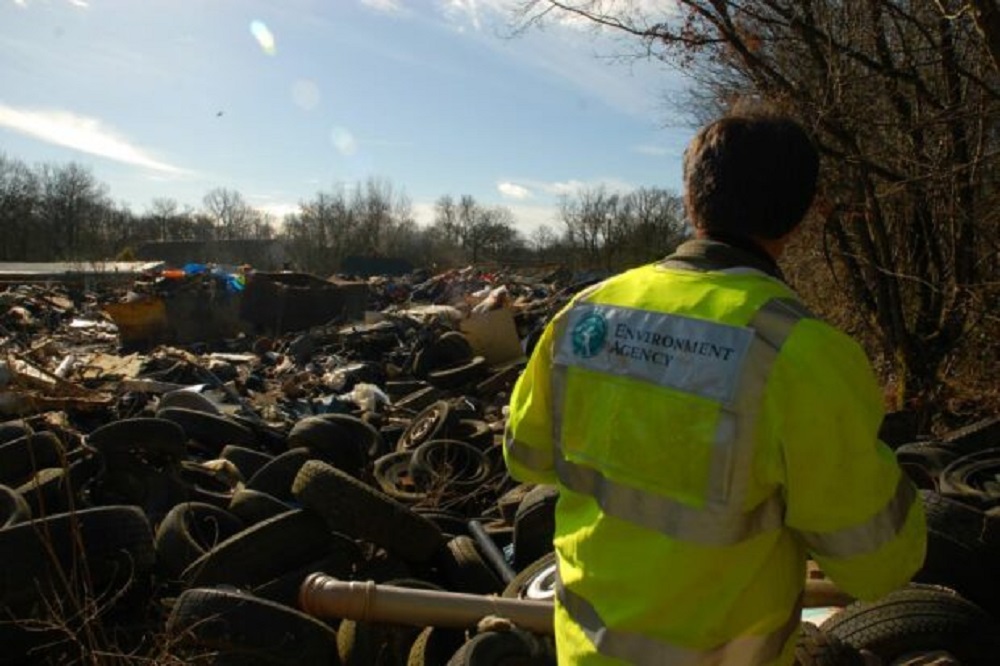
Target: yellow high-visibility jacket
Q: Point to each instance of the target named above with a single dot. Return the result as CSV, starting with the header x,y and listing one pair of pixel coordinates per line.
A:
x,y
707,435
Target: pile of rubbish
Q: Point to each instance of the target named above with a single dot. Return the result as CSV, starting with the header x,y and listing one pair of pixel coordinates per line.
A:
x,y
167,502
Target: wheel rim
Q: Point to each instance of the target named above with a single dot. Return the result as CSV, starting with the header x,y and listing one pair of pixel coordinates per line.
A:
x,y
543,585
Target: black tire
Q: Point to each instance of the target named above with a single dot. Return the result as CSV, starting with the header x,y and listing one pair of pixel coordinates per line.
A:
x,y
535,581
973,478
421,399
46,492
466,570
534,525
496,648
930,457
188,531
392,474
431,422
13,507
262,552
343,558
508,502
247,461
448,464
362,434
450,349
211,431
240,628
130,481
330,441
188,400
434,646
57,489
103,545
253,506
354,508
208,485
276,477
475,432
22,457
451,523
11,430
817,648
461,375
919,618
154,440
961,553
984,434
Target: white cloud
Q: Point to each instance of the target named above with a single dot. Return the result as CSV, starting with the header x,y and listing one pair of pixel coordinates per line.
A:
x,y
526,218
279,210
387,6
529,218
81,133
514,191
573,187
82,4
647,149
463,11
423,213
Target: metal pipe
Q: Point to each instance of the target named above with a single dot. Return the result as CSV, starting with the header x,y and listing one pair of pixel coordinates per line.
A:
x,y
491,552
327,597
822,593
324,596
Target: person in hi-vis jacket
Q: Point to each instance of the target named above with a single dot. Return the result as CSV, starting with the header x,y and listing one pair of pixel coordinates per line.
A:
x,y
708,434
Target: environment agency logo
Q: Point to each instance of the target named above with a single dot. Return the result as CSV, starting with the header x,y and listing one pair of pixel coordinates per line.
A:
x,y
589,334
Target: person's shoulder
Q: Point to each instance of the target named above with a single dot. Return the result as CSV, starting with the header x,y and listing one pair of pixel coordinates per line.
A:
x,y
818,347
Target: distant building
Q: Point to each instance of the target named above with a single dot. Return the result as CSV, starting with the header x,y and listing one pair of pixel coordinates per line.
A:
x,y
84,274
369,266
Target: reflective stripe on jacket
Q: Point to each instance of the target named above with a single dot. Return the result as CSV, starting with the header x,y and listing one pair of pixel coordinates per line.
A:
x,y
706,433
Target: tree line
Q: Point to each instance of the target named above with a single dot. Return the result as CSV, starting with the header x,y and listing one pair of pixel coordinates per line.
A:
x,y
63,213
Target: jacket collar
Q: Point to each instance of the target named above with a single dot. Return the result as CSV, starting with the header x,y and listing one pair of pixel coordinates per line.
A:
x,y
716,254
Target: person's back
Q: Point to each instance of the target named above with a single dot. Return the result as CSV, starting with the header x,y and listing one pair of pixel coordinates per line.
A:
x,y
706,431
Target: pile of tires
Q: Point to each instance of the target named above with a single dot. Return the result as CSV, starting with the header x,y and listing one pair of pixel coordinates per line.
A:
x,y
182,532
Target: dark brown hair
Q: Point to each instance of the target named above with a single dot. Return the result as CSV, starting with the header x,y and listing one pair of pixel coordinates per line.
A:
x,y
750,175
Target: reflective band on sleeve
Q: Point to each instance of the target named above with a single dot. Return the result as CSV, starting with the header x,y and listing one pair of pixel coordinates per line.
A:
x,y
640,650
870,535
776,319
531,458
710,526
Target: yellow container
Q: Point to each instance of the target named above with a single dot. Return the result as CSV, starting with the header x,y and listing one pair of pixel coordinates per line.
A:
x,y
141,321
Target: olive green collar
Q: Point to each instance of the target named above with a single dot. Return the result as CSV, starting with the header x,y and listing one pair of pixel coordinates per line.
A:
x,y
712,255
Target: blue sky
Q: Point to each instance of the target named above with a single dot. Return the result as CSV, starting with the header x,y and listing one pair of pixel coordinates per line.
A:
x,y
281,99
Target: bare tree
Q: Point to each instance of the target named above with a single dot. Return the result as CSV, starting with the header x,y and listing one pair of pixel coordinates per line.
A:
x,y
72,202
903,102
233,217
19,200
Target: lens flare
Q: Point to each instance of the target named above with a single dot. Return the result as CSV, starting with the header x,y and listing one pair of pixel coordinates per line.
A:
x,y
343,141
264,37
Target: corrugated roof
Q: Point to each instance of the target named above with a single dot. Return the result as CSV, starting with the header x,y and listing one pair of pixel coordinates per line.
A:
x,y
77,267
